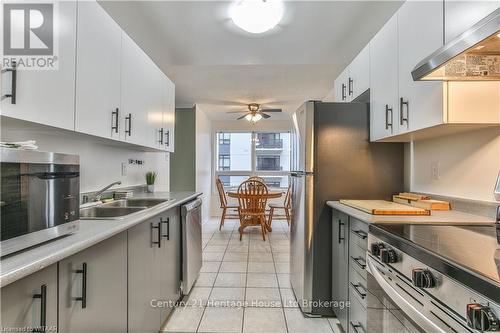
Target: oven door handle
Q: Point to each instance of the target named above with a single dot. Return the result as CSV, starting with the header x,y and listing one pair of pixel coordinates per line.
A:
x,y
406,307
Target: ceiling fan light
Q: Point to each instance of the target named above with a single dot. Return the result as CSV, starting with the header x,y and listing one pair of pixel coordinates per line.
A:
x,y
249,117
257,16
257,117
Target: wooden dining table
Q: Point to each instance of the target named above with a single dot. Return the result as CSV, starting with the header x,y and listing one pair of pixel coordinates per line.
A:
x,y
255,222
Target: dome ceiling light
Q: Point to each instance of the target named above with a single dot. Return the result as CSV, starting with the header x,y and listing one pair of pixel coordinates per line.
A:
x,y
257,16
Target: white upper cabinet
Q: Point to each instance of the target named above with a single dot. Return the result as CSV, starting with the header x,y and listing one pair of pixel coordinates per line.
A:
x,y
402,109
98,73
384,81
137,93
169,115
359,74
47,96
461,15
155,109
340,86
420,32
354,79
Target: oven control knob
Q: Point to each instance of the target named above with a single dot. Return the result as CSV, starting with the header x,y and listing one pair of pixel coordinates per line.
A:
x,y
423,278
375,248
388,256
482,318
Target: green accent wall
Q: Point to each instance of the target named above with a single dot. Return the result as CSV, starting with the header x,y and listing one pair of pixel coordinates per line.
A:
x,y
183,160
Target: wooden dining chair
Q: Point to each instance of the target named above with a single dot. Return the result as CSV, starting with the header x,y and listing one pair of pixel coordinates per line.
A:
x,y
260,179
286,206
233,209
252,199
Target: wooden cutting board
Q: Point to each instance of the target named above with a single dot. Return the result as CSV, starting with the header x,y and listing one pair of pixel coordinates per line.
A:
x,y
382,207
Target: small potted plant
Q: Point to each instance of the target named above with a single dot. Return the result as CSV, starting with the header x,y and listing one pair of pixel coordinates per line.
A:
x,y
150,181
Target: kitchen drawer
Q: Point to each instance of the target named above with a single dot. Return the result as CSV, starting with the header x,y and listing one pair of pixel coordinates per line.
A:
x,y
359,233
357,317
357,287
357,259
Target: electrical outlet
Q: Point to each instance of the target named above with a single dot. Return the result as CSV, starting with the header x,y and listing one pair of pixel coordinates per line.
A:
x,y
435,170
124,169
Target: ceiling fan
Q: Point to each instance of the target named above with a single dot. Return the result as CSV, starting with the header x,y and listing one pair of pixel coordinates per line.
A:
x,y
255,113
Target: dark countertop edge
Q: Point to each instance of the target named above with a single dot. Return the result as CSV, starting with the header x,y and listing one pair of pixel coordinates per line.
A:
x,y
481,284
40,263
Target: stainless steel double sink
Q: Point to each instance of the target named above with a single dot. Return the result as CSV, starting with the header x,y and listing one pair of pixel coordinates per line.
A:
x,y
118,209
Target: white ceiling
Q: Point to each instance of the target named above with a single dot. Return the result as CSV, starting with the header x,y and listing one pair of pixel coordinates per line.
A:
x,y
215,64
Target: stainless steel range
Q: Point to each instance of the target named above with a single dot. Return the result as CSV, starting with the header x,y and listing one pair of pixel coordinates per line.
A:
x,y
438,278
39,197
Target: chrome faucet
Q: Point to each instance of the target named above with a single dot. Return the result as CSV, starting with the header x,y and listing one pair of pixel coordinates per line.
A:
x,y
97,195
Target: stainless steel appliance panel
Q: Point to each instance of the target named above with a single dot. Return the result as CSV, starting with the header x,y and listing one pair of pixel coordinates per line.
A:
x,y
39,197
191,244
334,160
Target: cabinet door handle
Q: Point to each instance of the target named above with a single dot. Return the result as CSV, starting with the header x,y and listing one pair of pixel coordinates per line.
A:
x,y
161,136
340,231
13,83
343,92
351,81
168,138
83,298
359,261
129,120
158,227
360,234
355,327
402,104
43,308
168,227
387,123
357,288
115,115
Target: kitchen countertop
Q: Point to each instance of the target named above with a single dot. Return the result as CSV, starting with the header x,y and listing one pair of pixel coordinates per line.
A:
x,y
436,217
17,266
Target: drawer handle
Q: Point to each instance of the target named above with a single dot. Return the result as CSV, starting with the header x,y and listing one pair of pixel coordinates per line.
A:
x,y
350,86
158,227
340,231
128,119
167,236
160,141
357,288
114,114
43,309
360,262
83,298
387,123
13,83
360,234
402,104
343,91
356,326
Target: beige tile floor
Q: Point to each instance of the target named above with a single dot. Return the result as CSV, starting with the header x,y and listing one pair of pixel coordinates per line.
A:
x,y
244,286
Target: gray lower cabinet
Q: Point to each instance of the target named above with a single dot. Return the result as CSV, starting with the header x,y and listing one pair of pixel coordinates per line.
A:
x,y
170,259
340,264
93,288
153,271
30,302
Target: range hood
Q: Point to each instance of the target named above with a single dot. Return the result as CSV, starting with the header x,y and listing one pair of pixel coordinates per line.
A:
x,y
472,56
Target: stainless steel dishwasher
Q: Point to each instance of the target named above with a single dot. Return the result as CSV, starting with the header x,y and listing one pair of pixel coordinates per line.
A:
x,y
191,244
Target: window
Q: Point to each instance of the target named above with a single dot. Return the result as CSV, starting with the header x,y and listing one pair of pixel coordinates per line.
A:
x,y
240,155
224,162
268,163
224,139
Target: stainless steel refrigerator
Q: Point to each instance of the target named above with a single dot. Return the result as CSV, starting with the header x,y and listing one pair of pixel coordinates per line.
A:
x,y
332,159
